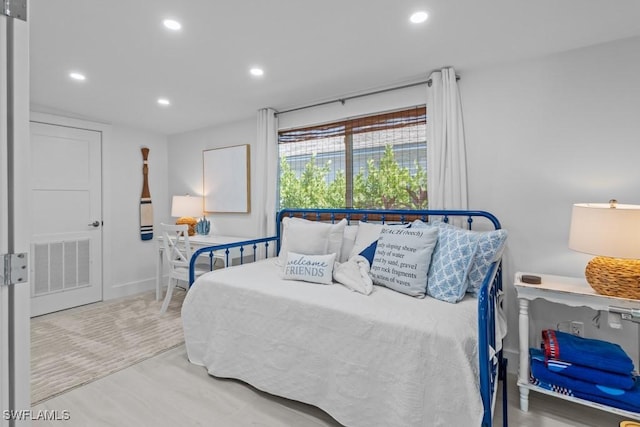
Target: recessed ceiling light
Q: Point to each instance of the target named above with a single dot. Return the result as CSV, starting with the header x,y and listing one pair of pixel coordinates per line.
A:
x,y
172,24
163,101
77,76
419,17
257,72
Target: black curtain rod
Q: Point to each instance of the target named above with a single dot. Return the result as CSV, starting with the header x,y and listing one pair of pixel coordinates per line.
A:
x,y
347,98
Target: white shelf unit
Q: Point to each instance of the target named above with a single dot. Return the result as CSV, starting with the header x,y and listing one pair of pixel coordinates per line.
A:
x,y
569,291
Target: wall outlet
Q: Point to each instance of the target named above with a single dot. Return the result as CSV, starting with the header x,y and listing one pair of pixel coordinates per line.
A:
x,y
577,328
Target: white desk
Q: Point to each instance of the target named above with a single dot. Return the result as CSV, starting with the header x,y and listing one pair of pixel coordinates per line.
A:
x,y
569,291
196,242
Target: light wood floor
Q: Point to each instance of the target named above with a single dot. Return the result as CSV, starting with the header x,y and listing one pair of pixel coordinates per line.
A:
x,y
169,391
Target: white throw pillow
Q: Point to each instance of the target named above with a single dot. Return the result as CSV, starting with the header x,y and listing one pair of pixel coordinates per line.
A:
x,y
348,240
367,234
309,268
402,259
310,237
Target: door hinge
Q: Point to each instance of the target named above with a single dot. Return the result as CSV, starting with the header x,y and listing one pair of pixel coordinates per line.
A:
x,y
14,269
14,9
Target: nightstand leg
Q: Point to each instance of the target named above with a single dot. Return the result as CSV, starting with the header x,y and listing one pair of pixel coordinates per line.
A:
x,y
524,399
523,372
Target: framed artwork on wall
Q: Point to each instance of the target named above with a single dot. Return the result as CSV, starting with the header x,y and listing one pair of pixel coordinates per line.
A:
x,y
226,179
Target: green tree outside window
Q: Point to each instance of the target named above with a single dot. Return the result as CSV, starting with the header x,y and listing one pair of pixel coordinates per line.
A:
x,y
382,184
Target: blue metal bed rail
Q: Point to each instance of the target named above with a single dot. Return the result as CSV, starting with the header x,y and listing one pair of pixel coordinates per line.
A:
x,y
253,244
399,215
492,369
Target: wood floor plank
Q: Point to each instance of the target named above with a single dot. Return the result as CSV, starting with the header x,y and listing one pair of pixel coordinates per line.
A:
x,y
168,391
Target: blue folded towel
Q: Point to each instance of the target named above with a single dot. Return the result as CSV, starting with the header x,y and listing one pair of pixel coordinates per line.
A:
x,y
589,352
596,376
629,400
585,396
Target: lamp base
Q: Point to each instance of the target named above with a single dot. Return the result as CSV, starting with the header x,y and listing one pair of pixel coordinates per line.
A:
x,y
190,221
615,277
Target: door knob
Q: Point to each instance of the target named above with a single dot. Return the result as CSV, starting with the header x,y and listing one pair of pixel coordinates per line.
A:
x,y
94,224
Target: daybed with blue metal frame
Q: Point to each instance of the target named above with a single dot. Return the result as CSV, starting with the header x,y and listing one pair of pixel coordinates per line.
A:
x,y
240,325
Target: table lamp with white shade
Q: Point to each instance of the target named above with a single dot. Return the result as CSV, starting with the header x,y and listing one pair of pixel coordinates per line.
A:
x,y
611,231
186,208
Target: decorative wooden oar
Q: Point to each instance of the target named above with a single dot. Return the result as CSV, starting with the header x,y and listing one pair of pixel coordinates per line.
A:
x,y
146,208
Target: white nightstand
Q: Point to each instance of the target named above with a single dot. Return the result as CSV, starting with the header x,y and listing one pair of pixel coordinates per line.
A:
x,y
570,291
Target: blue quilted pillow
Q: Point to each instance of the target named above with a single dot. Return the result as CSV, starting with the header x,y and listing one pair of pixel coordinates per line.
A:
x,y
490,247
451,262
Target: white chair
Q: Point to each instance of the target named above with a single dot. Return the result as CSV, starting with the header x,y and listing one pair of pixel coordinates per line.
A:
x,y
177,252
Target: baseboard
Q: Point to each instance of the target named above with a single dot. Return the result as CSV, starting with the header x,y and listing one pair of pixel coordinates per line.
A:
x,y
514,360
129,288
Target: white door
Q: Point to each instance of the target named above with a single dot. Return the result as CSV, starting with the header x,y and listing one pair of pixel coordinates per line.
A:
x,y
14,212
66,201
4,227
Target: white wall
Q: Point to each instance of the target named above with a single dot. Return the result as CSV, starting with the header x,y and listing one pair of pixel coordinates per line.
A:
x,y
542,135
130,263
186,175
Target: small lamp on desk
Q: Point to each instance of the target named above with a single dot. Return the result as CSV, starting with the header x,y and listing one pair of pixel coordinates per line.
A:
x,y
612,232
186,208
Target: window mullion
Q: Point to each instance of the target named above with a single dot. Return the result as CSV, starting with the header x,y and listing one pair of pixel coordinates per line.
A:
x,y
348,167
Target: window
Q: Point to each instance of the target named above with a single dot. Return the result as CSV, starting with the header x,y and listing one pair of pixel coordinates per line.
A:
x,y
377,161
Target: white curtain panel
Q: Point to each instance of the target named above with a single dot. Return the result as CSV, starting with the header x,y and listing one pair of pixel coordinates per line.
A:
x,y
267,171
446,156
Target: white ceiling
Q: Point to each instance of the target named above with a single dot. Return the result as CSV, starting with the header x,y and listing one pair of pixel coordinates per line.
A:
x,y
310,50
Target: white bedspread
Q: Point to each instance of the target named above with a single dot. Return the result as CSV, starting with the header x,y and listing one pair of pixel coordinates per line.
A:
x,y
385,359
